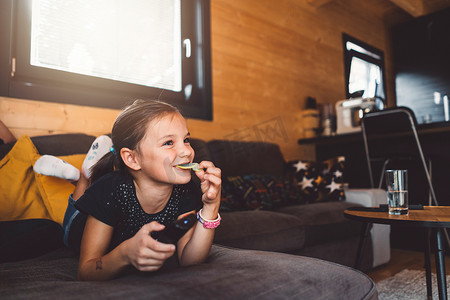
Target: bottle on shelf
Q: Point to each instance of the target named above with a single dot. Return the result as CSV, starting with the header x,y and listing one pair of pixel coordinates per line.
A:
x,y
328,120
310,118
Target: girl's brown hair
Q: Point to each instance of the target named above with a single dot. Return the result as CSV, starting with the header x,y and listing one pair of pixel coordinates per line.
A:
x,y
128,130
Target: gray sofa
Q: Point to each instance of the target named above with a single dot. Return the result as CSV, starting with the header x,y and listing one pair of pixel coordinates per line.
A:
x,y
292,237
317,230
227,274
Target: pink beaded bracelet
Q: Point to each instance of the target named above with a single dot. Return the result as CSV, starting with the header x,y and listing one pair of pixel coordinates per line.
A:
x,y
208,224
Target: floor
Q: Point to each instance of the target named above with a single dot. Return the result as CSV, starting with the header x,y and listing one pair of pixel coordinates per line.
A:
x,y
404,259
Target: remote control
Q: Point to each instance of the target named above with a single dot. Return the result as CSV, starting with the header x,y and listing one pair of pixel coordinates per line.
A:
x,y
174,231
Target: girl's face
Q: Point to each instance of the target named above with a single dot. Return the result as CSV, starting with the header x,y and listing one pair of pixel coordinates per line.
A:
x,y
165,145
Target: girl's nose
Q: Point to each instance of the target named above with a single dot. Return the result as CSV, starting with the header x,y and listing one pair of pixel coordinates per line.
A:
x,y
185,150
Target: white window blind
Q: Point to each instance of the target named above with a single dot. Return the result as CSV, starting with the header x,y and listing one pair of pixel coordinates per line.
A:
x,y
134,41
364,76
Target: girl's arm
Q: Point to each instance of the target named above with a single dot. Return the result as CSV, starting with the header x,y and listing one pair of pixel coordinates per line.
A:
x,y
194,247
141,251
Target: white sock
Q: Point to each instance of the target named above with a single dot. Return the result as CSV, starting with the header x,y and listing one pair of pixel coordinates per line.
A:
x,y
53,166
99,148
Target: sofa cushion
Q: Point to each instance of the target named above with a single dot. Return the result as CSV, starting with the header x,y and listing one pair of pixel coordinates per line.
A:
x,y
5,148
227,274
333,183
55,191
201,150
25,194
242,158
318,181
343,252
19,195
63,144
26,239
261,230
324,221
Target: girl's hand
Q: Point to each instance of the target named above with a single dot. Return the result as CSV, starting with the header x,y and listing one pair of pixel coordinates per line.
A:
x,y
145,253
211,182
195,248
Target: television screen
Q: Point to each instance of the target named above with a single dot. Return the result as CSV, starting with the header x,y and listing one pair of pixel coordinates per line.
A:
x,y
422,66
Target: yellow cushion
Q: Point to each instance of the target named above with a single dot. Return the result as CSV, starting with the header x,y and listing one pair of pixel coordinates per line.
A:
x,y
55,191
25,194
19,195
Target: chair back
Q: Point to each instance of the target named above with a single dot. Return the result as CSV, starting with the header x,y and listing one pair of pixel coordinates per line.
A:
x,y
399,120
392,134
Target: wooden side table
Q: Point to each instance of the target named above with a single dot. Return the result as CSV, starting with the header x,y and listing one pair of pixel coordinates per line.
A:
x,y
435,218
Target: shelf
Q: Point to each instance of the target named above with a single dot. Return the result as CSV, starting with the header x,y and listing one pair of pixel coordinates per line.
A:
x,y
423,129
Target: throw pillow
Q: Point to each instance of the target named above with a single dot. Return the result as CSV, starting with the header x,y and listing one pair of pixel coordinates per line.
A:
x,y
318,181
307,176
332,188
230,201
251,192
55,191
25,194
281,190
19,195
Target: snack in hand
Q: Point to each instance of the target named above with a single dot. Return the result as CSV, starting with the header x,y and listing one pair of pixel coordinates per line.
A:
x,y
193,166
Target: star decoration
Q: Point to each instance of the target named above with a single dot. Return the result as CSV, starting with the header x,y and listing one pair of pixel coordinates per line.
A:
x,y
333,186
338,174
306,182
300,166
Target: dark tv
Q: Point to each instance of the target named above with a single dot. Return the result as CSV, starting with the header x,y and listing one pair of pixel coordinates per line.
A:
x,y
422,66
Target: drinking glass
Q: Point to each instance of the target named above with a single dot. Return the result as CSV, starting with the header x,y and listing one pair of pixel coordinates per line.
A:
x,y
397,191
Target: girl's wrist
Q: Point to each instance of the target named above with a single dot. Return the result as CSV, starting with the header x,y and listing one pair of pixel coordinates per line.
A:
x,y
210,211
208,224
123,252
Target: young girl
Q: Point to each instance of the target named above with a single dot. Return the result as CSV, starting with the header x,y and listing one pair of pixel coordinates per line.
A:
x,y
137,189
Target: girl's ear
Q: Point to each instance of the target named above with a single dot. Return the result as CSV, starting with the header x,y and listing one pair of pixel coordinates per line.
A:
x,y
130,159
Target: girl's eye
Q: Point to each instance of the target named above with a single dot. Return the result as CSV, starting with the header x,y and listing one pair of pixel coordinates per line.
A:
x,y
168,143
187,140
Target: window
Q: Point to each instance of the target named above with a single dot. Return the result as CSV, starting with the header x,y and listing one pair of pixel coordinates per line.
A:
x,y
364,69
103,53
126,54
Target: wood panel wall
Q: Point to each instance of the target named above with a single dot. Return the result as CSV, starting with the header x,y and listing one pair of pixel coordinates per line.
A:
x,y
267,57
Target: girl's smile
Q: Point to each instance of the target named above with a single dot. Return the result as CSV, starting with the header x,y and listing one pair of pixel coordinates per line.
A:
x,y
166,145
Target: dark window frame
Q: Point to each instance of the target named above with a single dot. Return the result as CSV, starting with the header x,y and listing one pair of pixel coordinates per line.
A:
x,y
31,82
349,54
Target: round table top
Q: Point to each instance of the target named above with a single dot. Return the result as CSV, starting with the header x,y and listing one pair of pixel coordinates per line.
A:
x,y
430,216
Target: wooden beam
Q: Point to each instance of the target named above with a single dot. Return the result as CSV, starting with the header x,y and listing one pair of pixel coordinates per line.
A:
x,y
413,7
418,8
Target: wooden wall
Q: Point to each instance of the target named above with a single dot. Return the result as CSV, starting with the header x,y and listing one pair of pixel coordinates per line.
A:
x,y
267,57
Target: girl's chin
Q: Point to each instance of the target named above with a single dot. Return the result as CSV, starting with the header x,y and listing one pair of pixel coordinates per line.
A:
x,y
183,179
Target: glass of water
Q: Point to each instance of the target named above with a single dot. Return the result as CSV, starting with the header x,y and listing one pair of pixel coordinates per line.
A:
x,y
397,191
